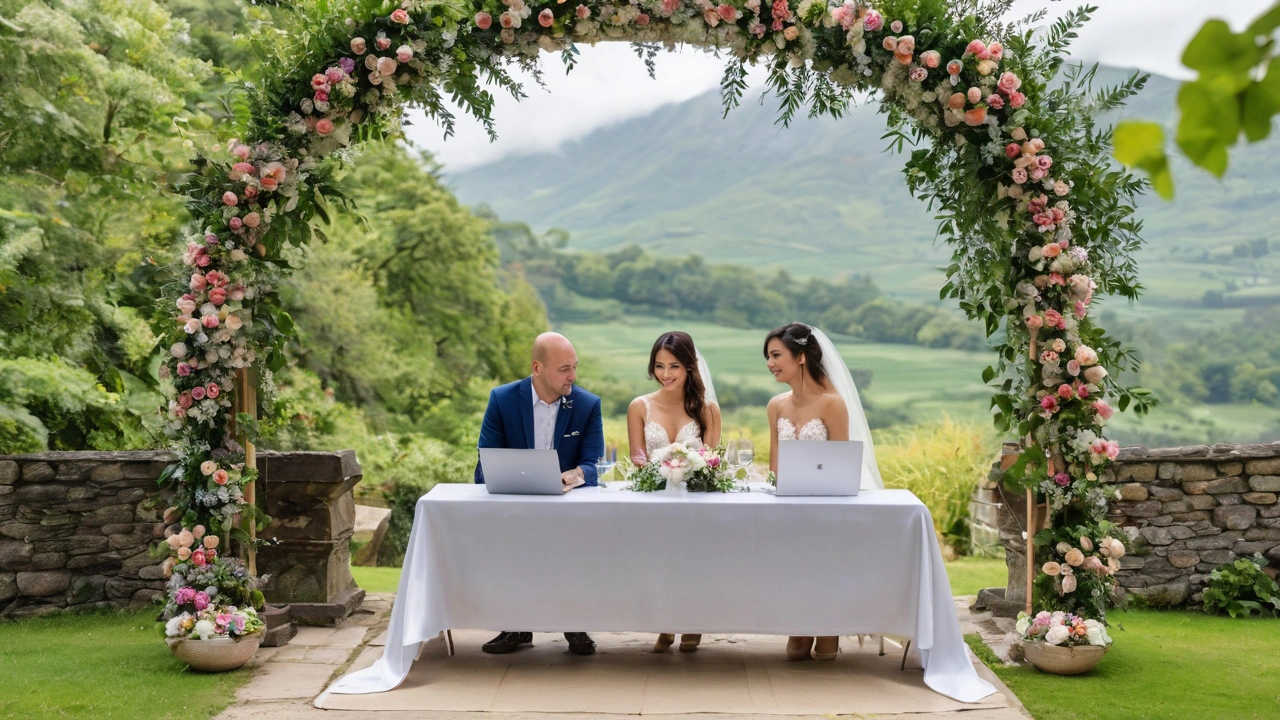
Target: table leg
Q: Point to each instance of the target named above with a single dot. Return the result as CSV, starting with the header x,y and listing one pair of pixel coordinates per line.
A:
x,y
905,649
448,641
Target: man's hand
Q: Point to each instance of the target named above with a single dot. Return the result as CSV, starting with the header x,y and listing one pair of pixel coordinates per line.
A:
x,y
571,479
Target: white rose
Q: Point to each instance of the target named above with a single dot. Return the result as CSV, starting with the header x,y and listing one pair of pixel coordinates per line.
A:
x,y
205,629
1024,622
178,350
1096,633
173,628
1057,634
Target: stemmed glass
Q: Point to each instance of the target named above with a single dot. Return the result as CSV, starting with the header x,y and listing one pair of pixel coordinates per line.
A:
x,y
746,453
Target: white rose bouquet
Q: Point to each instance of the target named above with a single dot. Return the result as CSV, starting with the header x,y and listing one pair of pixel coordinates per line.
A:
x,y
1062,629
694,466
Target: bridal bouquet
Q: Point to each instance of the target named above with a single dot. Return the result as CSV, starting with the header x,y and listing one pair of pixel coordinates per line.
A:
x,y
1062,629
697,467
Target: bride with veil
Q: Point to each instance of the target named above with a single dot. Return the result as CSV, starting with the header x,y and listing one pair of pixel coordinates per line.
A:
x,y
682,410
823,404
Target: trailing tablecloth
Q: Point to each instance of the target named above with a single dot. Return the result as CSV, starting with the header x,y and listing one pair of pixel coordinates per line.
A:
x,y
599,559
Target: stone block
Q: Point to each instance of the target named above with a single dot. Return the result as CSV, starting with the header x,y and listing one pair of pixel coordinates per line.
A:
x,y
151,572
1196,487
1136,472
48,561
1268,466
1248,548
1190,517
1194,471
1230,468
1217,557
1226,485
88,588
1145,509
100,562
1264,483
80,493
1202,502
122,589
1259,498
144,597
108,515
1210,543
1274,553
8,586
1229,499
1132,562
9,472
1166,470
131,495
15,554
37,472
1235,517
1183,558
1181,532
1262,534
1269,511
1268,522
6,495
1161,521
1157,535
43,582
1165,494
1179,506
1170,594
87,545
1133,492
133,564
107,473
41,495
56,519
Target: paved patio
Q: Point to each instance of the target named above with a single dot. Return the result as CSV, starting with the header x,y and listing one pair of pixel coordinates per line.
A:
x,y
287,680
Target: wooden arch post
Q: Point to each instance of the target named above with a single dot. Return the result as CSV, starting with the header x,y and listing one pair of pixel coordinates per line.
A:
x,y
247,402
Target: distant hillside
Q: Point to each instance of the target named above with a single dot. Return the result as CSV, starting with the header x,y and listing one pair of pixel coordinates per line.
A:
x,y
823,198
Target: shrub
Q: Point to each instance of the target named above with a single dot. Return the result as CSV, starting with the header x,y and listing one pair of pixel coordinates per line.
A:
x,y
1241,589
412,466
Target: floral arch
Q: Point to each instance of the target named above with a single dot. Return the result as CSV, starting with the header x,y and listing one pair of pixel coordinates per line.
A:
x,y
1008,156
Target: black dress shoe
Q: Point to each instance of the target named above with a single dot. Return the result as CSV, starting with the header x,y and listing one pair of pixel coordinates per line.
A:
x,y
507,642
580,643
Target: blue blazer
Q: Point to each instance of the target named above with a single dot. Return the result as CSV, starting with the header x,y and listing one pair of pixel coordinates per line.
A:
x,y
579,433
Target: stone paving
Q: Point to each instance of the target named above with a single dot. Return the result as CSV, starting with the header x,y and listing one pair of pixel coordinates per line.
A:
x,y
286,680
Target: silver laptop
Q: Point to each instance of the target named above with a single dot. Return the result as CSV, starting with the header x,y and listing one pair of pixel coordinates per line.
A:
x,y
510,471
819,467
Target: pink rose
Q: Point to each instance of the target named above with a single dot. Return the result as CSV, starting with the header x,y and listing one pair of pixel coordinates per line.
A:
x,y
668,7
387,66
209,321
546,18
242,168
931,59
1053,318
727,12
1080,310
1044,161
1016,100
1019,175
212,391
974,95
404,53
872,21
382,42
1055,278
1035,321
323,128
229,199
335,75
204,261
358,46
906,44
1013,150
1095,374
235,224
975,47
1037,173
642,19
1062,479
1104,409
1073,367
890,43
1051,250
995,102
954,67
184,400
1086,356
184,369
483,20
995,51
1082,391
250,192
917,74
583,12
197,393
1065,392
896,26
220,477
217,296
200,599
269,183
400,16
1049,402
252,220
198,283
1008,83
319,81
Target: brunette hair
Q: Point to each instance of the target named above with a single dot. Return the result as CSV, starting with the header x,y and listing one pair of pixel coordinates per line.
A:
x,y
681,345
799,340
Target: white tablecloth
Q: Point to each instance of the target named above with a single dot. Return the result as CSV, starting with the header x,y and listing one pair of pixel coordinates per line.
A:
x,y
599,559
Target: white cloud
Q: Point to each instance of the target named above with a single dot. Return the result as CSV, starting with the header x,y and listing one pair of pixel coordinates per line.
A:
x,y
610,84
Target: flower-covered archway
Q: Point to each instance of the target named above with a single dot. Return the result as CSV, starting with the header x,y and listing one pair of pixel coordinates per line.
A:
x,y
1038,220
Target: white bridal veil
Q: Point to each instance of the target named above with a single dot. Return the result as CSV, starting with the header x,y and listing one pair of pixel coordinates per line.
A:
x,y
709,389
842,381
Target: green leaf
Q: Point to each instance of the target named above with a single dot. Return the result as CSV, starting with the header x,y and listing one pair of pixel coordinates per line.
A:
x,y
1209,123
988,374
1261,102
1215,50
1140,144
1265,24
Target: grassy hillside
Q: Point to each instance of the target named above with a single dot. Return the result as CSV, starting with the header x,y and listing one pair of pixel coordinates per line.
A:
x,y
822,197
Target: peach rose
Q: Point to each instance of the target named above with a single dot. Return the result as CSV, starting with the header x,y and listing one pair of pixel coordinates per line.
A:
x,y
1069,584
483,20
954,67
207,467
1074,557
727,12
931,59
400,16
1008,83
1095,374
791,33
711,17
583,12
211,542
956,101
323,127
975,47
1104,410
359,46
974,95
976,116
1086,355
546,18
184,553
890,43
906,44
1051,568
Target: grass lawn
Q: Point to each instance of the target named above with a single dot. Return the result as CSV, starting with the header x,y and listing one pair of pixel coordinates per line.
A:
x,y
1164,664
377,579
110,665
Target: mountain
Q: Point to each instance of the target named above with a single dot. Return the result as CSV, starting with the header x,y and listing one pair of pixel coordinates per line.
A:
x,y
823,197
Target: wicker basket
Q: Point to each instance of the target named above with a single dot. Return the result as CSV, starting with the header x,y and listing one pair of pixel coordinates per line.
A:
x,y
1061,660
215,654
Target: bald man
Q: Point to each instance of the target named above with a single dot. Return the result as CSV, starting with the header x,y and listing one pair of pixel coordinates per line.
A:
x,y
546,411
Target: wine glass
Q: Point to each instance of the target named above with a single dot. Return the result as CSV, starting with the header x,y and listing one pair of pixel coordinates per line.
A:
x,y
746,453
731,454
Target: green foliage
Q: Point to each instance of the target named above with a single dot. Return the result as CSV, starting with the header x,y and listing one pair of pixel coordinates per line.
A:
x,y
1242,589
1237,92
408,467
48,404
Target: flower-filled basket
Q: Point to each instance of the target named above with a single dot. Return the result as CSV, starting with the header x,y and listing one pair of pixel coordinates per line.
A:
x,y
1062,643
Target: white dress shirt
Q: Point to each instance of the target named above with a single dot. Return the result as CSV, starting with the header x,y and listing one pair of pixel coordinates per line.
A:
x,y
544,422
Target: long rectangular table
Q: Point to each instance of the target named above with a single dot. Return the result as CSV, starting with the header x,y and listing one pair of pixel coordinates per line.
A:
x,y
600,559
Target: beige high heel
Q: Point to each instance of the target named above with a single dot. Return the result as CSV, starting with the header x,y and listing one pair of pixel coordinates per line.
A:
x,y
826,647
664,642
689,643
799,647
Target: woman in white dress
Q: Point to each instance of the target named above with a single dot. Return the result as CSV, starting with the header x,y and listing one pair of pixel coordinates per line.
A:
x,y
823,404
681,410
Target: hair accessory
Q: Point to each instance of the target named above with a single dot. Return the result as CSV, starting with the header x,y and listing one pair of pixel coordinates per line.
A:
x,y
802,341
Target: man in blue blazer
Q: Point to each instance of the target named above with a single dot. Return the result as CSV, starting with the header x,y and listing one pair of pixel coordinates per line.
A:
x,y
547,411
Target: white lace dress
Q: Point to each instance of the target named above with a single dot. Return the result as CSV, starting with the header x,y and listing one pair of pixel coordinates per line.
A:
x,y
655,436
815,429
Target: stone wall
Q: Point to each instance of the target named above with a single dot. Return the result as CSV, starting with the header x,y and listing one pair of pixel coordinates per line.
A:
x,y
1189,510
76,529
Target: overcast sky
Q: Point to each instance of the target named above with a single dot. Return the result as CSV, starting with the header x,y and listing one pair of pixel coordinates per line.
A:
x,y
610,84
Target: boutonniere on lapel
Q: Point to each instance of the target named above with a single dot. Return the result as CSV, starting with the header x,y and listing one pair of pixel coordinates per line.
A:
x,y
566,403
